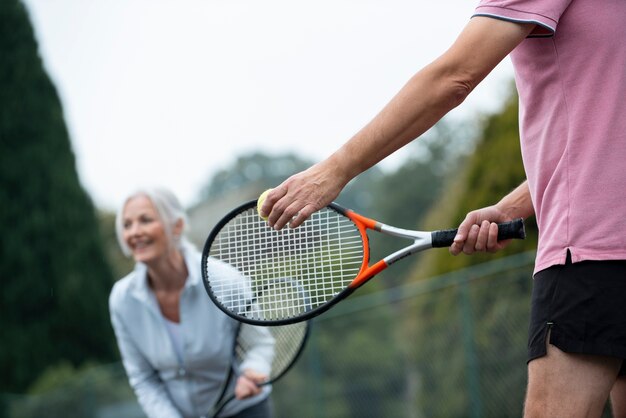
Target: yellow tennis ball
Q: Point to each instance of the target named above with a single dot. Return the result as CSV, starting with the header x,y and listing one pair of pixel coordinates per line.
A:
x,y
260,201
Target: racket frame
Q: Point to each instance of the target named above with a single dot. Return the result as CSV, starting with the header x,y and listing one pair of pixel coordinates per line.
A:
x,y
422,240
222,400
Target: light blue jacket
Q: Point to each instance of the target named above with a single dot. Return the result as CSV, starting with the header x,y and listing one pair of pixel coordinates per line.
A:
x,y
167,387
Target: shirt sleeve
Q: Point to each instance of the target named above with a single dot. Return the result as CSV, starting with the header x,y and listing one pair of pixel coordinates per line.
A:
x,y
261,353
544,13
143,378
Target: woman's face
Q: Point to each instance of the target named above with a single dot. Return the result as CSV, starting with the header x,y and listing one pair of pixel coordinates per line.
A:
x,y
143,231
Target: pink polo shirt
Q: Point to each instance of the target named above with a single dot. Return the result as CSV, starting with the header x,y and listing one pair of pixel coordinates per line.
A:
x,y
571,78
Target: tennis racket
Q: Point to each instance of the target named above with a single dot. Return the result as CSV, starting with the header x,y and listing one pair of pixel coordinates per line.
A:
x,y
324,260
286,343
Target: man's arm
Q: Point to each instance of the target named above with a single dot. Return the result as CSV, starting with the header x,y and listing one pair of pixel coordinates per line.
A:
x,y
425,99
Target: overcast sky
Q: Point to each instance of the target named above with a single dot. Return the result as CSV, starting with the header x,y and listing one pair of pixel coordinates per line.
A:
x,y
165,93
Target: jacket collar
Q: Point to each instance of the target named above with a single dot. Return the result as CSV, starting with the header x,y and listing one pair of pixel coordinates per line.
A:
x,y
140,288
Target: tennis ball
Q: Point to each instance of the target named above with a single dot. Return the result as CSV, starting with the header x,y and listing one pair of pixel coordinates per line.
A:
x,y
260,201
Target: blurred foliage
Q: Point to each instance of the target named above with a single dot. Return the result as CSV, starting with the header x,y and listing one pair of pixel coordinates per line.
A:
x,y
264,171
359,362
482,331
479,325
55,279
430,355
120,263
405,196
64,390
493,170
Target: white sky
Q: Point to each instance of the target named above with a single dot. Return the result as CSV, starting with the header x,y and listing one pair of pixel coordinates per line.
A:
x,y
160,92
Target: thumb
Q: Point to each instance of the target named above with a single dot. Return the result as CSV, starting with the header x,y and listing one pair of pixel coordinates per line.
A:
x,y
463,230
255,376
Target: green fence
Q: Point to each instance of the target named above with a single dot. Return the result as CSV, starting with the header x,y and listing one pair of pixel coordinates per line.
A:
x,y
449,346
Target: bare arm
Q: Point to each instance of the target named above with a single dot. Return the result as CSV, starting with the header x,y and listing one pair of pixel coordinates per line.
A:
x,y
425,99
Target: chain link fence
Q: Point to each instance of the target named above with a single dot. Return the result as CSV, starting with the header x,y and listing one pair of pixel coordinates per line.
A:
x,y
449,346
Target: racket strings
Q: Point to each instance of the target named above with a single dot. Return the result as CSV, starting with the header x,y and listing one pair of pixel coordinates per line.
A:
x,y
284,273
276,347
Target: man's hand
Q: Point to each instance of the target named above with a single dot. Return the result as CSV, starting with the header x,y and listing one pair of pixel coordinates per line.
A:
x,y
479,232
302,194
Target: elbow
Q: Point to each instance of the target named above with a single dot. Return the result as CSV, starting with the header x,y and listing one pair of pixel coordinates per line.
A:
x,y
458,90
454,82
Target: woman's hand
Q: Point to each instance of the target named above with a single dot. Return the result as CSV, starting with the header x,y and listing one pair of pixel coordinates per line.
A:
x,y
248,384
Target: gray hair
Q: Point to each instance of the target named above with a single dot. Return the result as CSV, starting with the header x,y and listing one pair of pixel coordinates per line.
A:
x,y
168,208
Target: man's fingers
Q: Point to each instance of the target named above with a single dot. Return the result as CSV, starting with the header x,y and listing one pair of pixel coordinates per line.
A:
x,y
470,242
479,232
492,238
304,214
463,232
284,217
482,237
272,197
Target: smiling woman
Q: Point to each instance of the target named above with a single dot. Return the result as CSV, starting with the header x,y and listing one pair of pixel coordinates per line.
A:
x,y
151,222
141,229
175,344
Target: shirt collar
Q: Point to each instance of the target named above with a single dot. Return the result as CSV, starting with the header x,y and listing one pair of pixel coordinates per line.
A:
x,y
141,289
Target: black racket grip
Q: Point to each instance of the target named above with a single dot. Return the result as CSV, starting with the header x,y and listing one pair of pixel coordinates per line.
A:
x,y
506,230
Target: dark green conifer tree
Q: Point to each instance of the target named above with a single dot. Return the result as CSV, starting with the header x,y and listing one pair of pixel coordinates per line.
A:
x,y
54,279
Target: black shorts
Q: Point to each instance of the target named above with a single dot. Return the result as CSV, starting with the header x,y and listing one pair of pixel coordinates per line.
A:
x,y
582,306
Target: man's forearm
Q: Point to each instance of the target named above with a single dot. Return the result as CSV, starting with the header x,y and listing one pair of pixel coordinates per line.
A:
x,y
518,203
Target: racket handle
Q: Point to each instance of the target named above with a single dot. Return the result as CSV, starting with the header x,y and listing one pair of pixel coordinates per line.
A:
x,y
507,230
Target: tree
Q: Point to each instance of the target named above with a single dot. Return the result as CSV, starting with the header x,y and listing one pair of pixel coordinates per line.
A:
x,y
490,173
405,196
492,312
261,170
55,280
120,263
